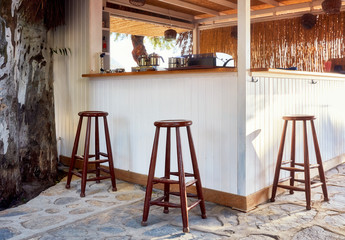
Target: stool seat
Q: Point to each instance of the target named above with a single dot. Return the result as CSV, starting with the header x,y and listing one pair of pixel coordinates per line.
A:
x,y
181,174
173,123
107,157
93,114
299,117
294,167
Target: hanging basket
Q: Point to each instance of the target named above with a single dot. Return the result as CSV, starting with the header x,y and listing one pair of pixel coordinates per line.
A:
x,y
331,6
138,3
170,34
233,32
308,21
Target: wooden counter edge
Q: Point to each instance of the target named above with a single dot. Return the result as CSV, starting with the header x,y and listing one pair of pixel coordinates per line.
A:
x,y
272,71
206,70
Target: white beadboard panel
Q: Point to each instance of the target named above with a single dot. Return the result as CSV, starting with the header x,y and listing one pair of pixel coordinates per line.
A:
x,y
70,89
269,100
135,102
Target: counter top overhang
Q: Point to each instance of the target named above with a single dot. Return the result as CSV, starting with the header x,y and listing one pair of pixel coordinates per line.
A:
x,y
271,72
206,70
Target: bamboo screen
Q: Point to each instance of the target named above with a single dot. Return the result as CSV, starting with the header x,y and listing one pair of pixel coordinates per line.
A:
x,y
285,43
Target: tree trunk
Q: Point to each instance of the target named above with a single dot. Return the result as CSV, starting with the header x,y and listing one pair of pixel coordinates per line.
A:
x,y
28,152
138,47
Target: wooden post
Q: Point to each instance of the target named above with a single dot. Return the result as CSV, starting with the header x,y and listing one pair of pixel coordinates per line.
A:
x,y
243,68
196,39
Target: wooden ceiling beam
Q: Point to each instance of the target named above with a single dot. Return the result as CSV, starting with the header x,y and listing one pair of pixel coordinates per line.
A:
x,y
191,7
274,10
225,3
150,19
155,9
271,2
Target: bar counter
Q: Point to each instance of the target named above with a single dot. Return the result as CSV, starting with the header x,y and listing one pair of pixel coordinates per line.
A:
x,y
209,98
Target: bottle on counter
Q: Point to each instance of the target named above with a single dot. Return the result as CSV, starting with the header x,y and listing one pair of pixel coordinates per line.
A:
x,y
104,45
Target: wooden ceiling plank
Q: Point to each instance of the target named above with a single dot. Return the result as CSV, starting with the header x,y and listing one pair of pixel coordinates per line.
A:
x,y
191,6
271,2
226,3
154,9
265,11
151,19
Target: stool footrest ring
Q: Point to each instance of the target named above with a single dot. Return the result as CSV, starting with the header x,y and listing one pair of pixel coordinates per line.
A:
x,y
165,180
185,174
98,161
192,195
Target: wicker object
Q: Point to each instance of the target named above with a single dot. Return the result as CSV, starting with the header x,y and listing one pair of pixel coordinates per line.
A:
x,y
331,6
308,21
138,3
233,32
170,34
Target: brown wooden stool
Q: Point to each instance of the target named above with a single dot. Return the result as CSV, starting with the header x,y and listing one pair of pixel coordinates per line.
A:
x,y
295,167
83,173
164,201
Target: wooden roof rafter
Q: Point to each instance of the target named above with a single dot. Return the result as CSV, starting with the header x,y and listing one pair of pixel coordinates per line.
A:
x,y
213,13
191,6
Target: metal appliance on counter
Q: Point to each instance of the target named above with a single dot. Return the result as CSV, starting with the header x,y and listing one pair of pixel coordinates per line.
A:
x,y
154,59
148,63
144,68
210,60
177,62
142,60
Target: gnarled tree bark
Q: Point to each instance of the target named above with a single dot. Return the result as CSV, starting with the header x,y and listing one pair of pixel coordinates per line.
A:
x,y
28,152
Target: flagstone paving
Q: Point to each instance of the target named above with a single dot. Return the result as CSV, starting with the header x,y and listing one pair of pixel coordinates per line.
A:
x,y
59,213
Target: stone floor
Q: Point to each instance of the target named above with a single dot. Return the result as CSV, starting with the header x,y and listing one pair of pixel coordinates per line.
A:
x,y
59,213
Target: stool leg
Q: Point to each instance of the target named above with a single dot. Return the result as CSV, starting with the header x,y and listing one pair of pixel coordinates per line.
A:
x,y
86,157
110,154
97,156
182,183
74,152
196,173
306,167
293,154
319,161
279,162
167,171
150,179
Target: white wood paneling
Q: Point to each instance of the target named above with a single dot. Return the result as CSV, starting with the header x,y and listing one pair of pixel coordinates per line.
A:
x,y
209,100
271,98
70,89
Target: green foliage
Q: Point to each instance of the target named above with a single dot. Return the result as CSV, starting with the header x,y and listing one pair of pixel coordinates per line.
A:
x,y
161,43
61,51
121,36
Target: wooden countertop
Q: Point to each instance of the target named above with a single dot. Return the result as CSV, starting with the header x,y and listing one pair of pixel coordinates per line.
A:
x,y
255,72
260,72
200,70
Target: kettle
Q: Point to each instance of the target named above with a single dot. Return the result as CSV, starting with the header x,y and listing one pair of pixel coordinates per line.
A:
x,y
142,60
154,59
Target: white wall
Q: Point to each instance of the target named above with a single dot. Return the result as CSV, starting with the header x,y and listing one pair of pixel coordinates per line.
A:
x,y
135,102
70,89
273,97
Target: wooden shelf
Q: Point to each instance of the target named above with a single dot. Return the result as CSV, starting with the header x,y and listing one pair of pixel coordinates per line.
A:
x,y
211,70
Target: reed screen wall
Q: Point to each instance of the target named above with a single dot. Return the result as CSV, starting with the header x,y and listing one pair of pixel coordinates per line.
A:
x,y
284,43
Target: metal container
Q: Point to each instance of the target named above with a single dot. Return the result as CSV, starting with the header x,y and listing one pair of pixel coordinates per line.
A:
x,y
154,59
172,65
142,60
183,62
175,62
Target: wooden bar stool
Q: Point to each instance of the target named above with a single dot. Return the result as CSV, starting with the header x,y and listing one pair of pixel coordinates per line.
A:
x,y
164,201
98,169
299,167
